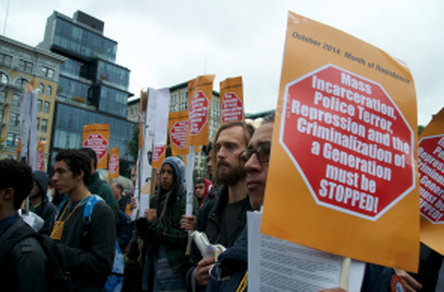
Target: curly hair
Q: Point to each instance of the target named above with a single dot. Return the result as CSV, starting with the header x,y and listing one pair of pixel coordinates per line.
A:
x,y
18,176
77,162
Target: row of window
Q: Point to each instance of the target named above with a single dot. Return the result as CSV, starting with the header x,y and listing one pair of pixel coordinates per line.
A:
x,y
26,66
14,121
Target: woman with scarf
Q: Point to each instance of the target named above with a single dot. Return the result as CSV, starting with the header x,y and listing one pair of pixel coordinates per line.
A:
x,y
164,244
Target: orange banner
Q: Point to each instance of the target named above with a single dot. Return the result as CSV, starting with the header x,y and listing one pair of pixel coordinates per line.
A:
x,y
40,157
342,176
113,165
431,178
232,100
158,156
200,91
96,137
177,131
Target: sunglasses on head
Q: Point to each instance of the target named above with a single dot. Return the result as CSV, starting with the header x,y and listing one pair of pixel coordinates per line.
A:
x,y
262,153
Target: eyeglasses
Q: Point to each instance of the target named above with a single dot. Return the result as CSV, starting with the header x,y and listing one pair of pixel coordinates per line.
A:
x,y
262,153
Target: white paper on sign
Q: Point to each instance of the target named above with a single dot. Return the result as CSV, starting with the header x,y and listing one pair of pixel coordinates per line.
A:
x,y
144,204
286,266
189,182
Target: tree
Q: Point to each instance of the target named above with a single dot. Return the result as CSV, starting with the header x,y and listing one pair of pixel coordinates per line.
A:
x,y
133,144
420,129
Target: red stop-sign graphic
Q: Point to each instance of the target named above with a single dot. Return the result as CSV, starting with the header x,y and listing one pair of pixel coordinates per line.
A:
x,y
40,160
158,152
198,112
178,134
97,143
349,141
232,109
113,164
431,178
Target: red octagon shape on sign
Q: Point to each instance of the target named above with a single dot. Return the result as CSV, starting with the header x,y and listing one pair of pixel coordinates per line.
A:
x,y
232,109
97,143
113,164
431,178
178,134
198,112
349,141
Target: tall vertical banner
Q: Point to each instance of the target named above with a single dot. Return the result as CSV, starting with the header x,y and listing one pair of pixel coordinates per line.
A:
x,y
28,126
177,129
200,91
342,176
431,178
113,165
232,100
40,156
161,124
96,137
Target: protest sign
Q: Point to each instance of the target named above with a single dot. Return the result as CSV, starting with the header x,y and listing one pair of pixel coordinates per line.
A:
x,y
232,100
431,178
96,137
342,175
200,91
177,125
113,165
162,97
40,157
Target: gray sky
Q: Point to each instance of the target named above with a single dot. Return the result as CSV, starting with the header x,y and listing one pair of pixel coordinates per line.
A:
x,y
168,42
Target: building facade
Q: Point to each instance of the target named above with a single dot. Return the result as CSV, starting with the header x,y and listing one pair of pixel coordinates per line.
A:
x,y
92,87
21,64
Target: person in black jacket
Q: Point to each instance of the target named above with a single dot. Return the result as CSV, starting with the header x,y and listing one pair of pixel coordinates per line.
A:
x,y
22,268
39,202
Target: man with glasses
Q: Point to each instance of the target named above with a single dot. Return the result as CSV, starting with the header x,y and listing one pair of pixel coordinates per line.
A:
x,y
230,272
224,218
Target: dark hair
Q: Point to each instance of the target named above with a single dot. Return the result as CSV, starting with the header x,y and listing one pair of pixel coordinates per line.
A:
x,y
200,181
18,176
77,162
92,155
119,186
268,118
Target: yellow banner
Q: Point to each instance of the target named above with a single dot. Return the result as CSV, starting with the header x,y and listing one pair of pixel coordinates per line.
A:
x,y
200,91
113,165
232,100
40,157
342,175
431,178
177,131
96,137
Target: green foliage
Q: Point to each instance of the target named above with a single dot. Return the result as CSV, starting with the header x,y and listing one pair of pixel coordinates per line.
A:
x,y
420,129
133,144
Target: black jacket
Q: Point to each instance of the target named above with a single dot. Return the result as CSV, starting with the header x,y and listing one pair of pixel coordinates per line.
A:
x,y
209,222
23,268
47,211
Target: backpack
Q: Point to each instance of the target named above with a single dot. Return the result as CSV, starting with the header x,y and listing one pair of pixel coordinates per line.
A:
x,y
123,228
58,280
114,282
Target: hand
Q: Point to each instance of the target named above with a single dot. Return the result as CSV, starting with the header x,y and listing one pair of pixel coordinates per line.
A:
x,y
188,222
202,275
133,203
409,282
151,215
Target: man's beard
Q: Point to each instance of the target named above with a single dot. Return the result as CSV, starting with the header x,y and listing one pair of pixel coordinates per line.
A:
x,y
233,176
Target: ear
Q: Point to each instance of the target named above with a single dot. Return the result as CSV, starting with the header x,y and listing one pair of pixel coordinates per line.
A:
x,y
79,177
7,194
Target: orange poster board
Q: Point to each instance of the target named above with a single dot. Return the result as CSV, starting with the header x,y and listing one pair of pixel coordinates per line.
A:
x,y
40,157
96,137
431,178
232,100
113,165
200,91
158,156
177,131
342,174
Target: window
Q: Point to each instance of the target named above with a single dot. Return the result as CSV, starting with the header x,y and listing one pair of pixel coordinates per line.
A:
x,y
6,60
39,105
26,66
38,124
46,107
16,100
4,80
42,88
14,119
12,139
2,97
44,125
49,90
48,72
21,83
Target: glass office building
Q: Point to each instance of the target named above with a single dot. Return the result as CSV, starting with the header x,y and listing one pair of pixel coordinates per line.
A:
x,y
92,87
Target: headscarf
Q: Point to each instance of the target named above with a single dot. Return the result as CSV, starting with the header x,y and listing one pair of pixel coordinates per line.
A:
x,y
208,187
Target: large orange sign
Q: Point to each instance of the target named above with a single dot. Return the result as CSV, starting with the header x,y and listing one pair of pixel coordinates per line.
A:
x,y
177,129
113,165
343,158
232,100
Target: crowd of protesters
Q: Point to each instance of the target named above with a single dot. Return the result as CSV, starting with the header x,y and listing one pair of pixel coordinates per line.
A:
x,y
160,255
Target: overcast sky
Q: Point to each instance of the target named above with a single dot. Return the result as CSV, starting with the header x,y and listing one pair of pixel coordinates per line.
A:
x,y
168,42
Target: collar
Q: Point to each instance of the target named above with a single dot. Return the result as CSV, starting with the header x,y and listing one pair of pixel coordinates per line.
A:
x,y
7,222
